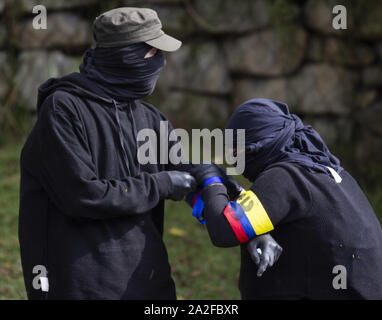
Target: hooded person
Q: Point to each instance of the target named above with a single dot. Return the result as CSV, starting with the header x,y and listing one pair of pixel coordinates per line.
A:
x,y
91,216
331,238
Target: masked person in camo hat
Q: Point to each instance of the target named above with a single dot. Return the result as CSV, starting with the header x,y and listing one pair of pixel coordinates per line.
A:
x,y
90,215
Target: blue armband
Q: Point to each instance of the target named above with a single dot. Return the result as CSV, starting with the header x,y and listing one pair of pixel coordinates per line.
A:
x,y
212,180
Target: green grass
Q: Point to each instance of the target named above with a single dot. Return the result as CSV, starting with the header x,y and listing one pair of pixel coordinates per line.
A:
x,y
200,270
11,280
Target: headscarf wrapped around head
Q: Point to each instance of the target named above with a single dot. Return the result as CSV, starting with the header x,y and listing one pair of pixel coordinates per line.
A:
x,y
273,134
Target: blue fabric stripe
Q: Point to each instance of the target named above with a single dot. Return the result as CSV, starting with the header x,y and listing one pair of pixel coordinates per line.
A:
x,y
198,209
212,180
245,223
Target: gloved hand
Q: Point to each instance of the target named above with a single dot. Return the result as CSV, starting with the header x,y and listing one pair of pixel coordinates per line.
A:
x,y
233,188
270,252
182,183
202,172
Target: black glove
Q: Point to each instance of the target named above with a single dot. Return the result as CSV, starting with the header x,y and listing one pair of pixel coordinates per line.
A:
x,y
182,183
233,188
270,252
202,172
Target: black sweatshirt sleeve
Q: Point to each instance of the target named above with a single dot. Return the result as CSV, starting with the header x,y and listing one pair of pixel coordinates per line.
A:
x,y
70,177
215,200
283,195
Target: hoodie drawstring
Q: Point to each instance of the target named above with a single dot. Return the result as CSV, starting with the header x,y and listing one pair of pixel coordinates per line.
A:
x,y
121,137
135,135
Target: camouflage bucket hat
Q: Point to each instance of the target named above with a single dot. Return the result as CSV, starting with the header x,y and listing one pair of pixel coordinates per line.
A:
x,y
125,26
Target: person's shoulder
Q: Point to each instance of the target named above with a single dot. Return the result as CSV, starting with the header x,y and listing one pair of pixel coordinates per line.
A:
x,y
283,186
282,176
279,171
59,102
152,110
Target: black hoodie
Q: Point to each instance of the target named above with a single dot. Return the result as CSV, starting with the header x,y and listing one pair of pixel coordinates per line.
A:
x,y
89,213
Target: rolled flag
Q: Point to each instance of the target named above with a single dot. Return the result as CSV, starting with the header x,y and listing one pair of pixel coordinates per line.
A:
x,y
194,199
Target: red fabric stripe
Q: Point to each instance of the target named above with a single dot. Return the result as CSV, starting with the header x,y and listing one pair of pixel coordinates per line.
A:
x,y
235,224
196,196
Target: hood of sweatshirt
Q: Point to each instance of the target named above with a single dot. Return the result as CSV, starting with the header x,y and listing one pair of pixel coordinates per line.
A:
x,y
75,83
78,84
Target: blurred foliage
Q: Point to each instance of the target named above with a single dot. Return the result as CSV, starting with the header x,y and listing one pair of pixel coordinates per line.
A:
x,y
15,123
283,17
11,280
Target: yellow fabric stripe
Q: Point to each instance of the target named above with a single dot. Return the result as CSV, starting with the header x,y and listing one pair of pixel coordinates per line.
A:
x,y
255,212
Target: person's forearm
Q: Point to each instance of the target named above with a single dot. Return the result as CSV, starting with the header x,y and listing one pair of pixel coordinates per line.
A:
x,y
104,199
215,200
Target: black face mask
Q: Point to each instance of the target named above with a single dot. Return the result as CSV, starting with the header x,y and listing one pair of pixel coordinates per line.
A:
x,y
124,72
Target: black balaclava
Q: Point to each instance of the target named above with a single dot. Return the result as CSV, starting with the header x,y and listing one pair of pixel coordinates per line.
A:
x,y
272,134
123,72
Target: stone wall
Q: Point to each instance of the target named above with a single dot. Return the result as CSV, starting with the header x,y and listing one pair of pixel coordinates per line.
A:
x,y
233,50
